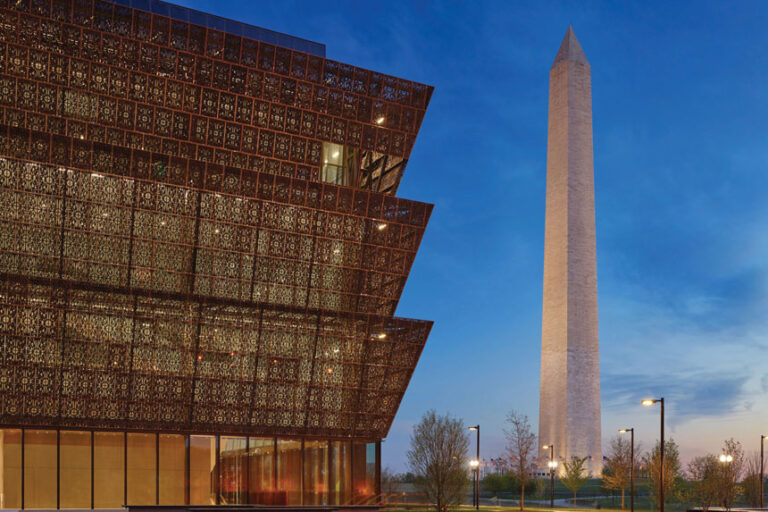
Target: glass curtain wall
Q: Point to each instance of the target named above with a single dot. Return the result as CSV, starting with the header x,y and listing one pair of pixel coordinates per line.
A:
x,y
341,472
364,477
288,472
315,472
202,470
233,474
55,469
261,471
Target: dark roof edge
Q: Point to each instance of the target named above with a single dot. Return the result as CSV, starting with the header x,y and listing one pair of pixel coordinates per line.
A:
x,y
229,26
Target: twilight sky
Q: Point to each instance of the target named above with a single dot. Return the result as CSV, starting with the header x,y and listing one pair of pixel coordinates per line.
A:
x,y
681,176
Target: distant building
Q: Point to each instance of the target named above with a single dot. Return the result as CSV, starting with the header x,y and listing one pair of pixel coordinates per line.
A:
x,y
201,254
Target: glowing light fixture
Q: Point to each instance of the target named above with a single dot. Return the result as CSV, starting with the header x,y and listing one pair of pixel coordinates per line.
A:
x,y
380,120
381,226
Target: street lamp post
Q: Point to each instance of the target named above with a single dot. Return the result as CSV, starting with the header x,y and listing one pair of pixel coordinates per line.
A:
x,y
476,490
648,403
631,467
552,465
762,469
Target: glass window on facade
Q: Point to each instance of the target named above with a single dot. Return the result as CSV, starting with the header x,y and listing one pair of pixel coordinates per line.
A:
x,y
142,464
40,468
315,472
288,472
341,473
364,464
171,471
339,164
261,470
75,469
233,471
202,467
10,468
108,469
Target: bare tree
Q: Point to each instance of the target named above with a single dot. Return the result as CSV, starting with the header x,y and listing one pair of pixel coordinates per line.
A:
x,y
520,445
751,482
389,482
731,472
574,475
618,466
438,459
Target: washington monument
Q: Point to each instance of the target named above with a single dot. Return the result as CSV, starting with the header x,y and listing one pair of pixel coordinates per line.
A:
x,y
569,407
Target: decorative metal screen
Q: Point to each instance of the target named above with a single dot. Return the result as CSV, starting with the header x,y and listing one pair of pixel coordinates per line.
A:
x,y
169,258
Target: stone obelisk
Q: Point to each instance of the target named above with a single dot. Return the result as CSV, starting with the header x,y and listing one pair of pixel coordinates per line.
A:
x,y
569,407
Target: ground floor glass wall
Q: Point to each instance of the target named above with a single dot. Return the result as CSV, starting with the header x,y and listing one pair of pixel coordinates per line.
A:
x,y
84,469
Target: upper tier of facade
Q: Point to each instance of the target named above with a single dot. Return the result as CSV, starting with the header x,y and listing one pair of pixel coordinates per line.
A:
x,y
107,73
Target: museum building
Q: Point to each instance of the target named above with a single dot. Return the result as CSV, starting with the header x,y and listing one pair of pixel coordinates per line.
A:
x,y
201,255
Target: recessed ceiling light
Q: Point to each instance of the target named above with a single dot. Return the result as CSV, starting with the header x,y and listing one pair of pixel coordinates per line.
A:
x,y
380,120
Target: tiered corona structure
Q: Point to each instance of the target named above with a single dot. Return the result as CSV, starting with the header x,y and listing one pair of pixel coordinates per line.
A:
x,y
569,409
201,254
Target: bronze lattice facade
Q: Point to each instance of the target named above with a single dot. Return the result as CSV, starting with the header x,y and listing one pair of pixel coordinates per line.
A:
x,y
200,242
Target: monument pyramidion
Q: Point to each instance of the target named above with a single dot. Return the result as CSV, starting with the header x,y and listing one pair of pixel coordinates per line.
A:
x,y
569,407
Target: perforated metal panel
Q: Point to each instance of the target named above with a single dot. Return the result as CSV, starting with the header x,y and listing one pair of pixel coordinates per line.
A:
x,y
169,258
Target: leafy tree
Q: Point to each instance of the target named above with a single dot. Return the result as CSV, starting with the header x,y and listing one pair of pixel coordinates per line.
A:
x,y
672,472
617,471
703,472
521,441
498,482
438,459
574,475
540,487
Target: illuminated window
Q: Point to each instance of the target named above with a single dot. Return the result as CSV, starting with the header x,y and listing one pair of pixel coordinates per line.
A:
x,y
261,455
339,164
75,469
364,478
171,469
142,469
10,468
288,472
341,474
315,472
202,466
232,473
108,469
40,469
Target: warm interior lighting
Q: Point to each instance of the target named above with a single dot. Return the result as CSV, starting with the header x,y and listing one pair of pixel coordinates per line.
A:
x,y
381,335
335,155
648,402
381,226
380,120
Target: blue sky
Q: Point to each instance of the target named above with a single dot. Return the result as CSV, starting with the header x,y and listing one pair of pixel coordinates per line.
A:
x,y
681,176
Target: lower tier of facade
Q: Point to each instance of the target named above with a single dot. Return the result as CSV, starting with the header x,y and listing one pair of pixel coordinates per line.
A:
x,y
49,469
